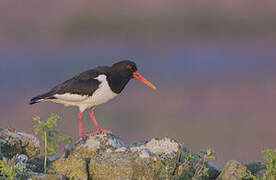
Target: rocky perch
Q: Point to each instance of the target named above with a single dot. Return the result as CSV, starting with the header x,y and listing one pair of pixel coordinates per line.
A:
x,y
105,156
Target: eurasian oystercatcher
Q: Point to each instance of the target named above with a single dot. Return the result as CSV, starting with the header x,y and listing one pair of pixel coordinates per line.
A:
x,y
92,88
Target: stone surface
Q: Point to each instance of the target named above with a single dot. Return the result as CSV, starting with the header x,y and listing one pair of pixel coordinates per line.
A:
x,y
165,148
74,161
233,170
71,167
104,156
20,160
256,168
13,143
124,165
137,161
47,177
36,164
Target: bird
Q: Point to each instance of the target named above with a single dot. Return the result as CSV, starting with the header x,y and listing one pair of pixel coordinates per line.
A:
x,y
92,88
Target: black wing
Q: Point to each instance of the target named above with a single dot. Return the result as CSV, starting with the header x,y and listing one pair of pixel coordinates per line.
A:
x,y
82,84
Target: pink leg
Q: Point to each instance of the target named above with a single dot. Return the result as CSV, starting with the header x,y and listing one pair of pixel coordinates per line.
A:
x,y
80,124
81,134
99,130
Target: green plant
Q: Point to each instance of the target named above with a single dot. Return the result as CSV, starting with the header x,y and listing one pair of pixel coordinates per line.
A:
x,y
9,170
190,166
269,165
167,170
50,136
72,178
200,168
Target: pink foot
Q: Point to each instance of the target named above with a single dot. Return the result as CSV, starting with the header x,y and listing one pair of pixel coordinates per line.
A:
x,y
88,134
100,130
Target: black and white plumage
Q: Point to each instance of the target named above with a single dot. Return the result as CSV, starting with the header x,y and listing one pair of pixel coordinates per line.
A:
x,y
93,87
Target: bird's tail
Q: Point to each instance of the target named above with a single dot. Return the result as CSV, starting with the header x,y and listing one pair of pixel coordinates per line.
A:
x,y
40,98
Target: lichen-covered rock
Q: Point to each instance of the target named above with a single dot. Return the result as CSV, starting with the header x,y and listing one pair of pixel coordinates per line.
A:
x,y
124,165
74,161
41,176
165,148
13,143
256,168
137,161
30,144
36,164
20,160
233,170
8,150
71,167
104,156
101,156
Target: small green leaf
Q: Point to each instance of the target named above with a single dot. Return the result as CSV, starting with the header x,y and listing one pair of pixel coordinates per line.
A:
x,y
66,139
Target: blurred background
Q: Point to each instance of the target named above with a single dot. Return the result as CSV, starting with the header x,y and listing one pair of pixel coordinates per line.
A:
x,y
213,62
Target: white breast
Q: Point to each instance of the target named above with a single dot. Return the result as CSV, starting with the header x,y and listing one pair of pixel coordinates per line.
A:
x,y
100,96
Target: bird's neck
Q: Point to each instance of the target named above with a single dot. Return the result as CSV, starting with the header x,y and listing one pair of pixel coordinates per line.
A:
x,y
117,82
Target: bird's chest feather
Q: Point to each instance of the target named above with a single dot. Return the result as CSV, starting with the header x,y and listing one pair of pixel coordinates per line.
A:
x,y
102,94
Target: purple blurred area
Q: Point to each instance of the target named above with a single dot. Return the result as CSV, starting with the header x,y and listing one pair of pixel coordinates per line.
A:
x,y
213,62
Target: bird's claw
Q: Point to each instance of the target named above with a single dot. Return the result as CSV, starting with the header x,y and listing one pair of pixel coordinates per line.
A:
x,y
100,130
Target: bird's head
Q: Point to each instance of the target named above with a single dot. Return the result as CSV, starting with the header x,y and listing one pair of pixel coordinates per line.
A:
x,y
129,69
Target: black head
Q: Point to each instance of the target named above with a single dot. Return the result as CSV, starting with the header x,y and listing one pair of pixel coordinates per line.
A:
x,y
125,68
122,72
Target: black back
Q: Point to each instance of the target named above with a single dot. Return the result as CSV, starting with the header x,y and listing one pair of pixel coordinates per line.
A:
x,y
82,84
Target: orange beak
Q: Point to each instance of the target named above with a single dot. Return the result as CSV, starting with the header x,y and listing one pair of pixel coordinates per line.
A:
x,y
142,79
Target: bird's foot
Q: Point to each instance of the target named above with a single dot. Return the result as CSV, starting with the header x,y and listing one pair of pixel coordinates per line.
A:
x,y
100,130
83,135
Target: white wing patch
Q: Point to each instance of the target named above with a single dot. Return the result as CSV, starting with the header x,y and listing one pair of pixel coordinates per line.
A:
x,y
70,97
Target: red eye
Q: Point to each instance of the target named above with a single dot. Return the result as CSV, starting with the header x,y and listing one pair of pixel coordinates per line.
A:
x,y
128,66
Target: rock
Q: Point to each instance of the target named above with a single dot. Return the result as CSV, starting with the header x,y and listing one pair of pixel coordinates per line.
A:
x,y
138,161
40,176
213,172
30,144
67,150
165,148
256,168
36,164
20,160
13,143
233,170
73,166
104,156
124,165
74,163
9,149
